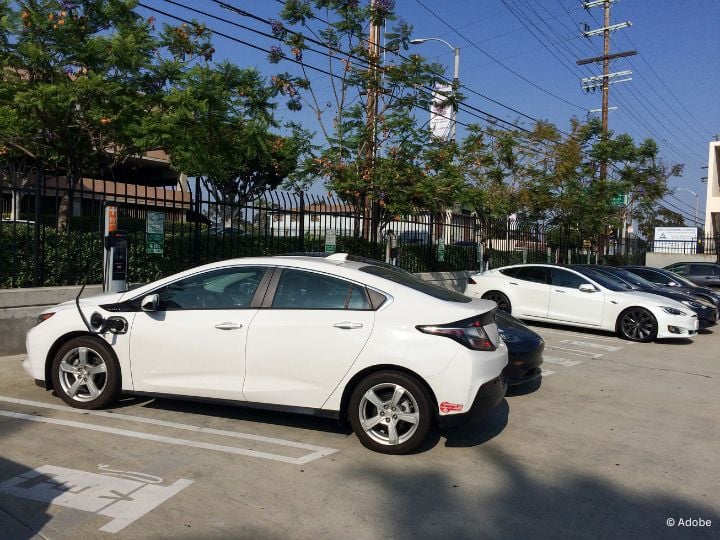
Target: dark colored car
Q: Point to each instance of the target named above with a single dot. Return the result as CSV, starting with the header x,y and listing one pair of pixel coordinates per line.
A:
x,y
525,349
663,277
703,274
707,313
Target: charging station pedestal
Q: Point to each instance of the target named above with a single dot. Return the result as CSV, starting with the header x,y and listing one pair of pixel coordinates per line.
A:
x,y
115,254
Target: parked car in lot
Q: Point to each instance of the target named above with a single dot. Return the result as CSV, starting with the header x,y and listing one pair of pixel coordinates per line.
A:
x,y
525,349
703,274
560,295
663,277
334,336
706,312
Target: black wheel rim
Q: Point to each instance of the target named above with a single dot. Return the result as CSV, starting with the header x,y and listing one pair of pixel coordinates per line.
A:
x,y
637,325
501,300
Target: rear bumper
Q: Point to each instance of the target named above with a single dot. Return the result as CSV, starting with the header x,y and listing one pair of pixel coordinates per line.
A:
x,y
488,396
524,367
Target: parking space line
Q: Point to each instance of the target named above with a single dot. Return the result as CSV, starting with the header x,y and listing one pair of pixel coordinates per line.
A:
x,y
542,330
547,372
315,452
561,361
590,345
574,352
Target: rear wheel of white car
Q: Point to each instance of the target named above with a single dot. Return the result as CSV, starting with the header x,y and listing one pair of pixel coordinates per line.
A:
x,y
390,412
502,301
85,373
637,324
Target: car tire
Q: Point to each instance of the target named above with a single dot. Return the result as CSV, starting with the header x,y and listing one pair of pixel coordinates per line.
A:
x,y
502,301
637,324
86,374
391,412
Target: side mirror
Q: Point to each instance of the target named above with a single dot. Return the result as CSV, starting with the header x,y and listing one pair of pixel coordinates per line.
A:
x,y
150,303
672,284
586,287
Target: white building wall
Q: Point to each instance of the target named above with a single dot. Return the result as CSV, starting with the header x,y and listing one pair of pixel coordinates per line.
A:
x,y
712,207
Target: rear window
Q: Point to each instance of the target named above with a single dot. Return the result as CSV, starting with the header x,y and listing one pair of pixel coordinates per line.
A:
x,y
402,277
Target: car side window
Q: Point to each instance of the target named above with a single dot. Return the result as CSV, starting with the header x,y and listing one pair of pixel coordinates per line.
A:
x,y
680,269
298,289
535,274
510,272
563,278
654,277
223,288
699,270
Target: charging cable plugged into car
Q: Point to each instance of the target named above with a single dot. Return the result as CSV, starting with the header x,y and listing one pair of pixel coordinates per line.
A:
x,y
99,324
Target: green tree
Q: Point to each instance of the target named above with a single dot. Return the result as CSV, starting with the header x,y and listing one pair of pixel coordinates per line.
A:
x,y
86,73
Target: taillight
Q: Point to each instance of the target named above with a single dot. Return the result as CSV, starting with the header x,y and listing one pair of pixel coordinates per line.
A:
x,y
471,281
469,332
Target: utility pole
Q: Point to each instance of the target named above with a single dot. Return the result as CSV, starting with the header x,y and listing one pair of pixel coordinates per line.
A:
x,y
373,88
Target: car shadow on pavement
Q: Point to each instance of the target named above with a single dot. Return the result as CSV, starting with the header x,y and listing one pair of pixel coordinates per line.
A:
x,y
524,389
684,341
248,414
505,497
487,428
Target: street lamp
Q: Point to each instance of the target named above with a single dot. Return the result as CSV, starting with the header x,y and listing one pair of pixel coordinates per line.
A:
x,y
696,201
456,78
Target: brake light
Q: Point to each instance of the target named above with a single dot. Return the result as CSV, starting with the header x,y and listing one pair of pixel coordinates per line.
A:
x,y
469,333
471,281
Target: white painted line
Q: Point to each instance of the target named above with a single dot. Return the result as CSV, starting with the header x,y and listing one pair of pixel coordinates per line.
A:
x,y
590,345
540,330
164,439
575,352
561,361
316,452
547,372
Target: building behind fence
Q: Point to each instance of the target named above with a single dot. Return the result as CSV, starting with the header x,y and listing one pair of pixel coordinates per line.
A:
x,y
200,229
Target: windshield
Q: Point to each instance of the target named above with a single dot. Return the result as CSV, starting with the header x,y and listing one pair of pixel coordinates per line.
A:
x,y
403,277
613,284
633,278
683,281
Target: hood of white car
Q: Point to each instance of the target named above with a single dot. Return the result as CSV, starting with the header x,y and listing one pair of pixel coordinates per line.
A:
x,y
656,299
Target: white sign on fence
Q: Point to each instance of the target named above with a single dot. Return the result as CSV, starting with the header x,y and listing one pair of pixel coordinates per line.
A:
x,y
675,240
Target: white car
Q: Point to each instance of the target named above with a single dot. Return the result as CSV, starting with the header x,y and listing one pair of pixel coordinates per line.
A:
x,y
543,292
335,336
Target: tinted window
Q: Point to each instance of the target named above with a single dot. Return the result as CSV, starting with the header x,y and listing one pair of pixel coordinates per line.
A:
x,y
407,279
654,277
703,270
536,274
511,272
563,278
678,269
224,288
298,289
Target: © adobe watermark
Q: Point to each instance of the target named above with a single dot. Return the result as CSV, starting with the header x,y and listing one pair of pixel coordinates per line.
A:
x,y
688,522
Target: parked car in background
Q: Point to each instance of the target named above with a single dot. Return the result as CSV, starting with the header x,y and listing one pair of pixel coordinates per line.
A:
x,y
335,336
559,295
525,349
663,277
414,237
703,274
706,312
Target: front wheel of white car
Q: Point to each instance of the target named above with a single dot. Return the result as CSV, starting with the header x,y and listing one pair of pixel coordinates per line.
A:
x,y
390,412
85,373
637,324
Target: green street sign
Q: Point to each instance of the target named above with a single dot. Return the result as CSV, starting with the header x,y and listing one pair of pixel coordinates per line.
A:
x,y
441,250
619,200
155,233
330,241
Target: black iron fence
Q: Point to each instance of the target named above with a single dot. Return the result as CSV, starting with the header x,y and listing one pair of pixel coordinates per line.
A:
x,y
52,233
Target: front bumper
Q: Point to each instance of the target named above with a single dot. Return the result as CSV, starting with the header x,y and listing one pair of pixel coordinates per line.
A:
x,y
707,316
525,366
488,396
678,327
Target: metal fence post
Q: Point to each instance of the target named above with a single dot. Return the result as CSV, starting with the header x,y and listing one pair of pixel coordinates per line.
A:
x,y
37,274
301,223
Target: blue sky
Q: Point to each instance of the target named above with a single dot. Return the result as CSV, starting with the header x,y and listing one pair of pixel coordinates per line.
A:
x,y
673,96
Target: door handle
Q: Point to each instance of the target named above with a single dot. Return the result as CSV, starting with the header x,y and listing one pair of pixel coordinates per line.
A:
x,y
347,325
512,282
228,326
560,291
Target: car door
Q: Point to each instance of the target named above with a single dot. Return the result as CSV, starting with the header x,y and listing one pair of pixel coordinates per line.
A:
x,y
569,304
529,291
704,275
306,338
194,343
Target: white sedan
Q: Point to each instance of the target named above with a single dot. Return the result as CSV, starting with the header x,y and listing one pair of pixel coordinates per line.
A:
x,y
559,295
334,336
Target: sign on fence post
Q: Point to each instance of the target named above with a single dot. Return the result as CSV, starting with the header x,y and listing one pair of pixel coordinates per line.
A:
x,y
441,250
524,252
330,240
549,255
675,240
155,232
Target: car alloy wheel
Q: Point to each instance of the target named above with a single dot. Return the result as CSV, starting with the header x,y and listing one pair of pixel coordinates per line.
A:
x,y
637,324
85,373
390,412
502,301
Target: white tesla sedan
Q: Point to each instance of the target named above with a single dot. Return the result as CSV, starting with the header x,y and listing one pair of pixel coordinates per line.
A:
x,y
543,292
334,336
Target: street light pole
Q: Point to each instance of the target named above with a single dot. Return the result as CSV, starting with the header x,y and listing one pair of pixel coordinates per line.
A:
x,y
455,82
696,201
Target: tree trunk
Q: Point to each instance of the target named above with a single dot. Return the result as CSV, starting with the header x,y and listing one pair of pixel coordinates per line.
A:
x,y
65,210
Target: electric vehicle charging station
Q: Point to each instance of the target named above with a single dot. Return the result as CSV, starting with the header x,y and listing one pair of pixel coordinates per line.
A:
x,y
115,253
